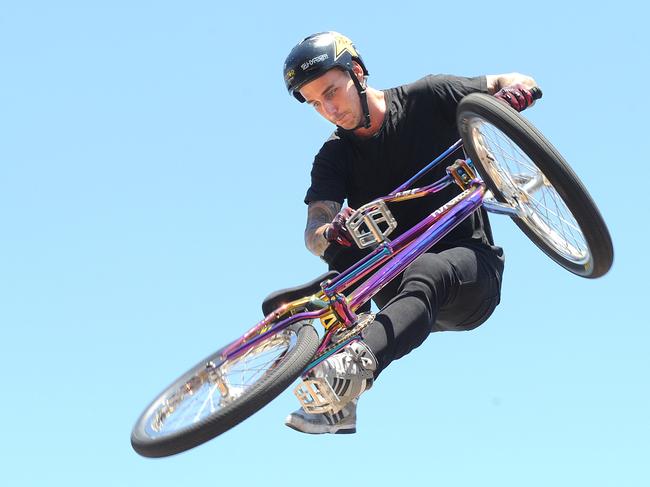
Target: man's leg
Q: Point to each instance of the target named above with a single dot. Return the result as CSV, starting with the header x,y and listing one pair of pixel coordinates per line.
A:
x,y
460,285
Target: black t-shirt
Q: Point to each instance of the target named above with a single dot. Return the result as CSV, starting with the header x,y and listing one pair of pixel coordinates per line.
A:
x,y
420,123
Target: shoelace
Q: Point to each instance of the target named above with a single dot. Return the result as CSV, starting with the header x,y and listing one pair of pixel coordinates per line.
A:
x,y
358,358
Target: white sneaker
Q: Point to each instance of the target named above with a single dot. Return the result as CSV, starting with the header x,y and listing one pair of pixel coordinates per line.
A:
x,y
345,421
348,373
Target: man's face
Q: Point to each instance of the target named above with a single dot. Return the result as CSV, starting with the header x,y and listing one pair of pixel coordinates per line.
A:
x,y
335,97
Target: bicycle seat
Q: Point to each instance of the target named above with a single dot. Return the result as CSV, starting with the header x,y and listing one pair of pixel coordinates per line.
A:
x,y
277,298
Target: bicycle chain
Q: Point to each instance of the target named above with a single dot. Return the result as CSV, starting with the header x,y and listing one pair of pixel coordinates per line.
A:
x,y
338,337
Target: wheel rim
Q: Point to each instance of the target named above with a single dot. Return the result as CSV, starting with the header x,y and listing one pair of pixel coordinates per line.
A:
x,y
524,186
210,389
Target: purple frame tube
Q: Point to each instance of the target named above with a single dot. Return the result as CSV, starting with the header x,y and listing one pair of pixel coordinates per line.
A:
x,y
425,190
439,225
418,240
409,246
455,146
400,253
374,259
241,344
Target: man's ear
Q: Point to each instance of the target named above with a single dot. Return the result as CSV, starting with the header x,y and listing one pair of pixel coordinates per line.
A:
x,y
358,70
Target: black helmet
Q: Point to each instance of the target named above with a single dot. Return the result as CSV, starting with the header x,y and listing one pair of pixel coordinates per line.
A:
x,y
317,54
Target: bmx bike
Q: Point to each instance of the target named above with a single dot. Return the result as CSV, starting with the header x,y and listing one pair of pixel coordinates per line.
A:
x,y
521,175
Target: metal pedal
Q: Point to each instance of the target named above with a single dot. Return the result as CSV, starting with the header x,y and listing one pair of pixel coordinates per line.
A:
x,y
371,224
316,396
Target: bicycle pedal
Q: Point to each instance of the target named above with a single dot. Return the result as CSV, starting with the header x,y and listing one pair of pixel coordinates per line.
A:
x,y
316,396
371,224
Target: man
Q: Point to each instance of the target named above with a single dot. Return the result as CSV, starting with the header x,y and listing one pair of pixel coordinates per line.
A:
x,y
384,137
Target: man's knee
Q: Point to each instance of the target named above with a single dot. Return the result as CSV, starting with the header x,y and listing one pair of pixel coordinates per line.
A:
x,y
431,276
471,316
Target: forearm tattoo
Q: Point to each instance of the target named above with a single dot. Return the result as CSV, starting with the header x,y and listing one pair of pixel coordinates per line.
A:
x,y
319,215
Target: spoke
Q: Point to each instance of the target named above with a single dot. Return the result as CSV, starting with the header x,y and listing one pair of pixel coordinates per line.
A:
x,y
255,355
213,408
570,227
569,224
538,204
261,367
566,227
561,221
513,149
203,394
524,185
199,413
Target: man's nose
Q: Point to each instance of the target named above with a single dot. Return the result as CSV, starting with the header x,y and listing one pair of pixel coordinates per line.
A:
x,y
330,108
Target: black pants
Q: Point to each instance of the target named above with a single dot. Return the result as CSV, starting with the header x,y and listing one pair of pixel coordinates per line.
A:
x,y
455,289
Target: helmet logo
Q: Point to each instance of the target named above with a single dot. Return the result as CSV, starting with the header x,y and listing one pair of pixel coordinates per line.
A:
x,y
290,74
318,59
344,44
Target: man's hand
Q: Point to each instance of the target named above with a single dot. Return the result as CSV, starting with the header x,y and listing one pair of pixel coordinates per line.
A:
x,y
517,96
336,231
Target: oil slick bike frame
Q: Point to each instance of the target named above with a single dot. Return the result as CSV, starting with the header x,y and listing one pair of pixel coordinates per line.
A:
x,y
522,176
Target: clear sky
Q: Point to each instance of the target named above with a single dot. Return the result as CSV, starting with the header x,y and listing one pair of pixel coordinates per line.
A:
x,y
152,170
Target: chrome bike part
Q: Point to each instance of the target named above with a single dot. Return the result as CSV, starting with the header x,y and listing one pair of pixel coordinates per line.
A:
x,y
223,390
371,224
359,325
494,206
213,388
315,393
527,189
316,396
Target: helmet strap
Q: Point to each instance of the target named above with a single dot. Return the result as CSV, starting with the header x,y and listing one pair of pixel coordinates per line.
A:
x,y
365,123
361,89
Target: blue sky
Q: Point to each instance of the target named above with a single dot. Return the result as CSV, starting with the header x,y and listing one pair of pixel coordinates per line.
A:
x,y
152,170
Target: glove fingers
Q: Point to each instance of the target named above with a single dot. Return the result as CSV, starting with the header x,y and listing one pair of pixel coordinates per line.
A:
x,y
517,96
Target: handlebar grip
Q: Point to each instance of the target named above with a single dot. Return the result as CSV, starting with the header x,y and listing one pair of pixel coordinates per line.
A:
x,y
536,92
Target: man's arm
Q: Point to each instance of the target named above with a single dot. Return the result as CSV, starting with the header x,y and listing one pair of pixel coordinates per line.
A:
x,y
495,82
319,216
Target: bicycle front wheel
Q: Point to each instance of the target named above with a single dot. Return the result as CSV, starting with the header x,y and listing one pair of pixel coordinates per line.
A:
x,y
212,397
522,169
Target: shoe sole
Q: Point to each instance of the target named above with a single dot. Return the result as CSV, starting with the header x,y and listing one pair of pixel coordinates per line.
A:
x,y
341,431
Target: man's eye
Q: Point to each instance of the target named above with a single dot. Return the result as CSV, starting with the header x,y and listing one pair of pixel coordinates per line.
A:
x,y
330,94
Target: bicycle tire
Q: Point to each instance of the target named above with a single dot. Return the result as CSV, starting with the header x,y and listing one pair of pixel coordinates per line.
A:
x,y
588,250
148,442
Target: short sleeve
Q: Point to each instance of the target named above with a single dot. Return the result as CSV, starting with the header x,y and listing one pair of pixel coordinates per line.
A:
x,y
328,173
449,90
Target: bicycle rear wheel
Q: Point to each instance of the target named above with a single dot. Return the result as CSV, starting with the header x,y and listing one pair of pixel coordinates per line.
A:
x,y
212,397
522,169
